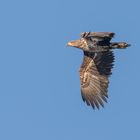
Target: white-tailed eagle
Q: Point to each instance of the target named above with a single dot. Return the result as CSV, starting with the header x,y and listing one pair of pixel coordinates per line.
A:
x,y
97,65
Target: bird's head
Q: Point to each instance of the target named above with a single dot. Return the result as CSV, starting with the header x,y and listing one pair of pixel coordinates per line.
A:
x,y
81,44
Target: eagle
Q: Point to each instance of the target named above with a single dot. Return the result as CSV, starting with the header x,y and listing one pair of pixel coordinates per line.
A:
x,y
97,65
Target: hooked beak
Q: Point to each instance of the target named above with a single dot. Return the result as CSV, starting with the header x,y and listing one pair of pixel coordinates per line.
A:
x,y
69,44
75,43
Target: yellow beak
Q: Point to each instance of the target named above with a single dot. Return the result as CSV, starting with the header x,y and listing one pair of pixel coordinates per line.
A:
x,y
74,43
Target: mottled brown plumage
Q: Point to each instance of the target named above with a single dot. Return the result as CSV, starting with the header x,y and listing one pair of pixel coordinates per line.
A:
x,y
97,65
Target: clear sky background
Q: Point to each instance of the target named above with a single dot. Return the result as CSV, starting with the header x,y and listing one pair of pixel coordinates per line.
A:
x,y
39,79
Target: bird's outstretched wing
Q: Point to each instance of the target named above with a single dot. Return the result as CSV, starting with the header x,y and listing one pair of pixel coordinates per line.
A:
x,y
94,73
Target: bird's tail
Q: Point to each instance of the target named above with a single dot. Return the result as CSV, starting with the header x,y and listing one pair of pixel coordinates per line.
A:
x,y
119,45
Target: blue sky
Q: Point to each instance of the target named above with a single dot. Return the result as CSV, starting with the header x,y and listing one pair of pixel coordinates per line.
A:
x,y
40,93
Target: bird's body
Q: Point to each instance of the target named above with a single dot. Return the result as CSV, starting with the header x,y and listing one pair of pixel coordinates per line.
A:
x,y
97,65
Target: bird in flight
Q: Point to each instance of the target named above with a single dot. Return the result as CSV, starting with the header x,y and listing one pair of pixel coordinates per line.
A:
x,y
97,65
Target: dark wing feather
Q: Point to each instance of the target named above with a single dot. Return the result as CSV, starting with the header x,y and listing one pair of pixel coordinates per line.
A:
x,y
103,37
104,62
98,34
94,74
